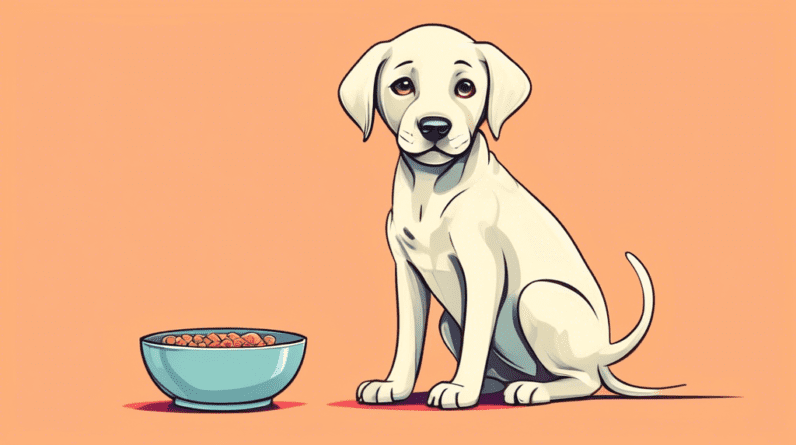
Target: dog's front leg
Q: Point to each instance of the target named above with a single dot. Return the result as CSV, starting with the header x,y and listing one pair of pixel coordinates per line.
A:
x,y
413,301
484,273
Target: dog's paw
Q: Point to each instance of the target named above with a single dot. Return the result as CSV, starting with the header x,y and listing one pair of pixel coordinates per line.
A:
x,y
381,391
452,396
526,393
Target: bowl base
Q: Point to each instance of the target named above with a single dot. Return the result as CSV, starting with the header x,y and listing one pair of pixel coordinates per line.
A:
x,y
222,406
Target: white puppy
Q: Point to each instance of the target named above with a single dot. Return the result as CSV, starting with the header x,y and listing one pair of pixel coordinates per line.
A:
x,y
523,312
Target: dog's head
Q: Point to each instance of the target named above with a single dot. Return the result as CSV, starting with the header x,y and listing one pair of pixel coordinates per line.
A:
x,y
433,86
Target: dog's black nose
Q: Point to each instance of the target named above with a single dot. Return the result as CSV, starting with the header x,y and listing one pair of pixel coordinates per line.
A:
x,y
434,128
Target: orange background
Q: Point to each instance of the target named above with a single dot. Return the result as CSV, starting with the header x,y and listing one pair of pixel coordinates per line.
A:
x,y
185,164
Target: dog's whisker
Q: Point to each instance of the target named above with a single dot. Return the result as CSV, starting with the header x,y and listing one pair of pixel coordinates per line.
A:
x,y
464,142
459,141
407,140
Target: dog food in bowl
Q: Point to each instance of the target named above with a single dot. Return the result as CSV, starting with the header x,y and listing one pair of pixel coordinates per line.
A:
x,y
213,340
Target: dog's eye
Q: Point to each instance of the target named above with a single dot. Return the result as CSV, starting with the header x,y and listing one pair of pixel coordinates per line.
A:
x,y
465,89
403,86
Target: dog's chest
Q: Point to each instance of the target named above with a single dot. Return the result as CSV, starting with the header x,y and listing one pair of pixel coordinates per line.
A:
x,y
427,245
425,241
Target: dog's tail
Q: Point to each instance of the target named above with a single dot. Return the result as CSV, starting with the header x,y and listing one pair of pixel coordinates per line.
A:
x,y
619,387
621,349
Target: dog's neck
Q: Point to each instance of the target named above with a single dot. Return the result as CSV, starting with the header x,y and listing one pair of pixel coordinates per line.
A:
x,y
420,187
443,178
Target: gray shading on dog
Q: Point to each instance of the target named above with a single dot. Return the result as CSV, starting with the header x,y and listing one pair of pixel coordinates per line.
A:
x,y
523,314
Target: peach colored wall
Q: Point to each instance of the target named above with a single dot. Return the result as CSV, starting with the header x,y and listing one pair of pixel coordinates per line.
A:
x,y
184,164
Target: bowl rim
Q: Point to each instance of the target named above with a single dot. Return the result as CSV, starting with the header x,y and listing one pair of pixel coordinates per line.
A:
x,y
145,341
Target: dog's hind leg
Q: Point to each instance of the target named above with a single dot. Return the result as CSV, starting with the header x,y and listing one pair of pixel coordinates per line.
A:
x,y
451,334
452,337
565,334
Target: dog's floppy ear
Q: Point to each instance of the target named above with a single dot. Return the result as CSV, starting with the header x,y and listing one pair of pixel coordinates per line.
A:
x,y
509,86
358,87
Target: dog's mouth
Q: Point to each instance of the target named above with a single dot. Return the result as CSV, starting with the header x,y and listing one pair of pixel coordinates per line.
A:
x,y
432,156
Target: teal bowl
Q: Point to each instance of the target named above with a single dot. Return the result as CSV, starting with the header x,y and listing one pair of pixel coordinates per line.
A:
x,y
223,379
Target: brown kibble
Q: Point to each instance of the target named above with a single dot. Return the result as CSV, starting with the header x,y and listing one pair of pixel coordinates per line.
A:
x,y
251,338
213,340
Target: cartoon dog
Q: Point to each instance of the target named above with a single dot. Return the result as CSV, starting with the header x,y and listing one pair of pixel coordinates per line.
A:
x,y
523,312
